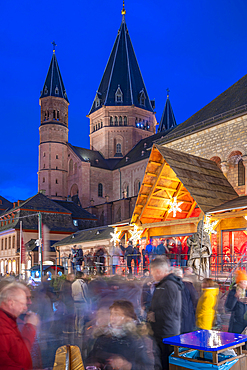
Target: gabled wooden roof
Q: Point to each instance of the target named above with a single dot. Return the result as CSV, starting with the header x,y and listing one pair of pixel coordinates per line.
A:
x,y
196,182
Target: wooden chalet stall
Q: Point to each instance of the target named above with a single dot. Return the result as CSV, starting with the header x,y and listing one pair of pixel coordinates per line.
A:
x,y
177,190
230,246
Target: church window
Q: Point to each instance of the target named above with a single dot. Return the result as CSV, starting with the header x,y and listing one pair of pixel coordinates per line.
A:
x,y
241,173
43,179
56,91
118,95
58,115
93,128
142,97
101,124
120,121
100,190
111,121
44,165
56,181
46,90
46,115
56,167
116,121
75,168
56,156
56,194
54,114
70,167
119,148
43,154
125,121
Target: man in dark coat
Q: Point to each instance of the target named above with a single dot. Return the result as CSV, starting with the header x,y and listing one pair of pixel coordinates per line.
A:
x,y
165,310
15,346
128,252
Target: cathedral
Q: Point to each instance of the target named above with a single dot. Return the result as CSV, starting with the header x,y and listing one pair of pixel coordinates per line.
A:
x,y
105,179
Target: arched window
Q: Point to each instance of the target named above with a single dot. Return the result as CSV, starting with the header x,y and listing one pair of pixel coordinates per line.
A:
x,y
100,190
127,191
111,121
43,179
118,148
118,95
70,167
56,181
120,121
125,121
241,173
142,97
75,168
116,121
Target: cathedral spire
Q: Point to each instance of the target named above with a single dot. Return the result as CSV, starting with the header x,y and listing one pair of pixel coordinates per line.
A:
x,y
122,83
54,85
168,120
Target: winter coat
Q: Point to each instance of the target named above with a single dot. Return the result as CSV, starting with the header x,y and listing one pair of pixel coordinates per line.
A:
x,y
167,307
238,309
149,248
15,346
189,303
125,343
160,249
205,312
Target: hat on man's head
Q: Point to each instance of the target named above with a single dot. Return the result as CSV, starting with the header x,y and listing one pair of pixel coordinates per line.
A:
x,y
240,275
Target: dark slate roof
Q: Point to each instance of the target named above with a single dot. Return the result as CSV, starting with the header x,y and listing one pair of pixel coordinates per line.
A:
x,y
32,247
40,202
236,203
94,234
203,179
230,103
95,158
141,150
5,204
77,211
168,120
53,85
122,71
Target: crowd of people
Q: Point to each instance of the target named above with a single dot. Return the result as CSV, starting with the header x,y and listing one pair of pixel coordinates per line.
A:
x,y
117,323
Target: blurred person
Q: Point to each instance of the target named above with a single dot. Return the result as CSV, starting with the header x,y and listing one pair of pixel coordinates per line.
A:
x,y
115,253
161,249
68,301
206,307
236,303
136,258
90,261
79,259
149,248
189,304
80,296
147,291
165,309
120,346
173,252
15,346
128,252
72,257
184,254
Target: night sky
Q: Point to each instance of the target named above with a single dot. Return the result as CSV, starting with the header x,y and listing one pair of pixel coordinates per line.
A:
x,y
197,48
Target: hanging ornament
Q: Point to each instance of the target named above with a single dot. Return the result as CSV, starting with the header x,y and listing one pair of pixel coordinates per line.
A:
x,y
135,234
210,226
174,206
115,237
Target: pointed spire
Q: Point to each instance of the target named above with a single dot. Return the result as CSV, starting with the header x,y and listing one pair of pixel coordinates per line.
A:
x,y
168,120
53,85
122,71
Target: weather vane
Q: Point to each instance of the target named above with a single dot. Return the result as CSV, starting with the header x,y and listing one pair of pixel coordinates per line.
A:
x,y
168,91
54,46
123,12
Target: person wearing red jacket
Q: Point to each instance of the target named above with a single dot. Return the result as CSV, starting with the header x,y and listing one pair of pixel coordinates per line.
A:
x,y
15,346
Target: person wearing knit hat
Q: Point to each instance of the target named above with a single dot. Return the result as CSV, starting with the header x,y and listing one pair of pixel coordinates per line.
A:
x,y
236,302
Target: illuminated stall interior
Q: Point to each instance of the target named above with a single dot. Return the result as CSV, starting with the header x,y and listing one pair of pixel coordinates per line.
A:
x,y
177,190
231,237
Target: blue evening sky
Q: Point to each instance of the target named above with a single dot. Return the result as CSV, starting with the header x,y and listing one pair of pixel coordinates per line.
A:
x,y
197,48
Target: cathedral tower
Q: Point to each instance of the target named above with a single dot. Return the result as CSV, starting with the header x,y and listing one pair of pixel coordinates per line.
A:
x,y
53,132
121,114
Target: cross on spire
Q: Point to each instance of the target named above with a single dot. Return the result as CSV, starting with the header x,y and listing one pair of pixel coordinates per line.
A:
x,y
168,91
123,12
54,46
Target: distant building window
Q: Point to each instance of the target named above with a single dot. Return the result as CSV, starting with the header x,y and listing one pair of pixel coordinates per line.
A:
x,y
125,121
6,242
142,97
54,114
58,115
9,242
56,156
127,191
118,95
118,148
100,190
13,242
120,121
2,244
111,121
46,90
116,121
56,181
43,179
241,173
44,154
75,222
